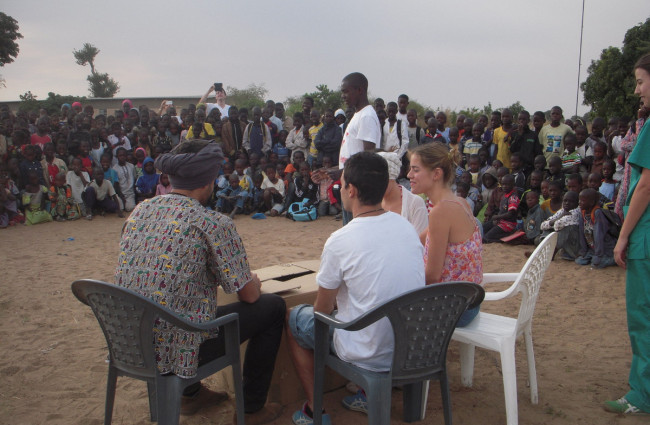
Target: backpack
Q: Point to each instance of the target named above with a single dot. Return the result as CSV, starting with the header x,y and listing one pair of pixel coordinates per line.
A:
x,y
614,222
299,211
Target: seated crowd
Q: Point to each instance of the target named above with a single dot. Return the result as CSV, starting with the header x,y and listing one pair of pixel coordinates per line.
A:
x,y
516,179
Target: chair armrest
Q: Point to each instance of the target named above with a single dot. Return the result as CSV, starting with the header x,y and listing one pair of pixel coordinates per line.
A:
x,y
205,326
500,277
360,322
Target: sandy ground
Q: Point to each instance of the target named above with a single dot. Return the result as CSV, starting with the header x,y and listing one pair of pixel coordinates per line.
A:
x,y
52,352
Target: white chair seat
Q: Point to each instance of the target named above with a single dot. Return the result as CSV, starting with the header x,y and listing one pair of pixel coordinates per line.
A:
x,y
499,333
489,331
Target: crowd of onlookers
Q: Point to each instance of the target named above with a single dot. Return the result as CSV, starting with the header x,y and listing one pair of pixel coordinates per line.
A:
x,y
521,182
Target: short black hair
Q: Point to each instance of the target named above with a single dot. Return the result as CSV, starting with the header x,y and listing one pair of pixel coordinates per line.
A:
x,y
356,79
403,96
575,176
368,172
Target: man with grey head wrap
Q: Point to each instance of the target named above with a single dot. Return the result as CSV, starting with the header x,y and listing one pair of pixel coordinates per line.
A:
x,y
177,252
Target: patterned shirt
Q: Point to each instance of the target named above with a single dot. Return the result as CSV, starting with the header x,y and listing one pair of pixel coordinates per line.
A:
x,y
176,252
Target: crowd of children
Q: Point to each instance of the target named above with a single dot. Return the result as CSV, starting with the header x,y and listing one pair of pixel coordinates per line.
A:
x,y
521,182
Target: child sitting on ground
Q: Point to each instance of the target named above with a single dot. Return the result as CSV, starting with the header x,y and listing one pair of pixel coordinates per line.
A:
x,y
35,200
324,181
554,202
126,176
609,187
555,171
565,222
77,179
504,222
600,155
594,182
256,194
301,187
100,195
231,199
146,184
62,204
10,214
574,183
273,192
596,239
571,159
534,218
473,194
164,187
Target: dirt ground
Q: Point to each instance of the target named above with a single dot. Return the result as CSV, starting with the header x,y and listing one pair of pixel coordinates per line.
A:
x,y
52,351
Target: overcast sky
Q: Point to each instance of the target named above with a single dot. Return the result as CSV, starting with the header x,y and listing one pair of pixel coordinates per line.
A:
x,y
453,54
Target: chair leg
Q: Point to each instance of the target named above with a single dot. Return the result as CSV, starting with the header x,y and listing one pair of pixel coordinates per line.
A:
x,y
153,408
532,371
446,396
379,401
466,364
111,383
168,399
509,370
239,392
414,398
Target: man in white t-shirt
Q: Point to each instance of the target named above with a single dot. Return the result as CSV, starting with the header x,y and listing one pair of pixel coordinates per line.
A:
x,y
364,132
359,270
220,97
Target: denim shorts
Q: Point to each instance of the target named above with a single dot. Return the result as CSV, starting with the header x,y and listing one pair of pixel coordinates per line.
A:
x,y
301,326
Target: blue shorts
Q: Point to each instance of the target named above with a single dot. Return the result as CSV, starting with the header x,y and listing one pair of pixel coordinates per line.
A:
x,y
301,326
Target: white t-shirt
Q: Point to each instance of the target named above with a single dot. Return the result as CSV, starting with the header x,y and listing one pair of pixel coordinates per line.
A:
x,y
210,106
361,260
392,138
364,126
279,185
76,185
414,210
106,189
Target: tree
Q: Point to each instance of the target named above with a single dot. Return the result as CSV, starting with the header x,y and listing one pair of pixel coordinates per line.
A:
x,y
324,98
99,85
609,87
8,46
8,36
248,98
29,102
86,56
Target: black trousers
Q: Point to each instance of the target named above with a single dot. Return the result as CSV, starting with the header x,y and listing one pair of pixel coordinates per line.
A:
x,y
260,324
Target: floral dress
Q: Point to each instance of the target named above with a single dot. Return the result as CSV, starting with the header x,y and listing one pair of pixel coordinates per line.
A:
x,y
463,260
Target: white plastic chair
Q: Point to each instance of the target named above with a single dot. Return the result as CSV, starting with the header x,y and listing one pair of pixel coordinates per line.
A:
x,y
500,333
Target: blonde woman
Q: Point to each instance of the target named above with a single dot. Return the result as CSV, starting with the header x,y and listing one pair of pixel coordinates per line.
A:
x,y
452,242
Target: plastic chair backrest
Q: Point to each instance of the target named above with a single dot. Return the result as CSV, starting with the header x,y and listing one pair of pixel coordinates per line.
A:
x,y
531,277
127,320
423,321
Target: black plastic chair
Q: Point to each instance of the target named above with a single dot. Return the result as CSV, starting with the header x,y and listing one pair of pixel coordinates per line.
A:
x,y
423,321
127,319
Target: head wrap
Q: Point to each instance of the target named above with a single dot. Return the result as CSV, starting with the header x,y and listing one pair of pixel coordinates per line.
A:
x,y
188,171
394,164
128,102
76,104
67,105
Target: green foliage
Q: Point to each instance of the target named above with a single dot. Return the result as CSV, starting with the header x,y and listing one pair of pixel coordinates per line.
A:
x,y
86,56
8,36
99,84
251,96
52,104
324,98
609,86
28,102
